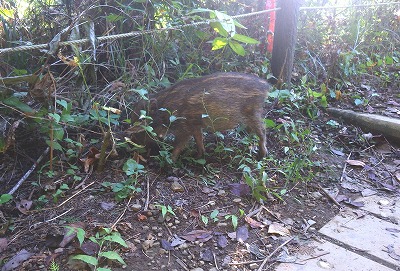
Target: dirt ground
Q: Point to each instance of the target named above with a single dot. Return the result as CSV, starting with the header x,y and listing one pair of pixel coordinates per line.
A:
x,y
266,233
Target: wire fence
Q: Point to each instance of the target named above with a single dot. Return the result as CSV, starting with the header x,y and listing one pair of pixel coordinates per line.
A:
x,y
145,32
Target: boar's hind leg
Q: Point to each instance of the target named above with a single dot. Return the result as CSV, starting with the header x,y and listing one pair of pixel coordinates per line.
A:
x,y
258,128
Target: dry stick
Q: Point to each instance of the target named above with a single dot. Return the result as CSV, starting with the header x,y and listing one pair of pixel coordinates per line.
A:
x,y
34,226
26,175
65,201
344,168
329,195
146,204
122,214
273,252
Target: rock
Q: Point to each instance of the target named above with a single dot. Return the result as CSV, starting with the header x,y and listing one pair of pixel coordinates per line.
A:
x,y
253,266
237,200
177,187
197,269
136,207
316,195
172,179
221,193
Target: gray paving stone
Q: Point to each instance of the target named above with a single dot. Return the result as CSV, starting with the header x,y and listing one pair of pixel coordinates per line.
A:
x,y
366,233
376,204
335,258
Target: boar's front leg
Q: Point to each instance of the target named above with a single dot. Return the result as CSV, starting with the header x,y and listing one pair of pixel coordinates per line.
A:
x,y
181,139
257,127
198,137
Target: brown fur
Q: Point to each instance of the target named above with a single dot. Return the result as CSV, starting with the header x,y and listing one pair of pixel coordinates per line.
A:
x,y
228,99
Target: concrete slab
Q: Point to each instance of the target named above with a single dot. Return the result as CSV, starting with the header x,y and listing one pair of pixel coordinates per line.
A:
x,y
388,207
333,258
366,233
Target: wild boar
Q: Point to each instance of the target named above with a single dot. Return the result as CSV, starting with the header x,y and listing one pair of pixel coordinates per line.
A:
x,y
215,102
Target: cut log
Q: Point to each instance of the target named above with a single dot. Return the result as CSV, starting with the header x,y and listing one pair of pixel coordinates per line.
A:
x,y
389,127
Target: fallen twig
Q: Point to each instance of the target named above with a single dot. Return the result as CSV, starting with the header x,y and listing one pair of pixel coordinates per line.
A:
x,y
122,214
146,204
329,195
344,168
26,175
273,252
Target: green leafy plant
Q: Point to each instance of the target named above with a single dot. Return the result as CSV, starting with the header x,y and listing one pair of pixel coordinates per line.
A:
x,y
54,266
234,220
104,240
165,210
128,187
225,26
4,198
60,191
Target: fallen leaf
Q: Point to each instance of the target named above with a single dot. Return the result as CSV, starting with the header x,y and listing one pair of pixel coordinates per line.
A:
x,y
253,223
24,206
176,241
68,235
340,198
107,205
200,235
207,255
276,228
166,245
242,233
355,163
368,192
337,152
16,260
357,204
394,252
232,235
222,241
194,213
141,217
3,244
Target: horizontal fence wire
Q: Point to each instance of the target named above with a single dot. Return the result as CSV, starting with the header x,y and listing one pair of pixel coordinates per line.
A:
x,y
145,32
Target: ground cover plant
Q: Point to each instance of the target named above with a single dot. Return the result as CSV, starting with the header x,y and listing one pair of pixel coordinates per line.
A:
x,y
93,198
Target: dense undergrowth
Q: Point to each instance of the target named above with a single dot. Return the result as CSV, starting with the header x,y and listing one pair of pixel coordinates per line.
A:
x,y
79,97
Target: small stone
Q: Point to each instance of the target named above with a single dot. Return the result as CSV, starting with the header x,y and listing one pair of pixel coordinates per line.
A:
x,y
237,200
136,207
222,224
316,195
197,269
253,266
221,193
384,202
177,187
172,179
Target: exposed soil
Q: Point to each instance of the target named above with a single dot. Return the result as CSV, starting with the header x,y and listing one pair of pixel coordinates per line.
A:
x,y
193,191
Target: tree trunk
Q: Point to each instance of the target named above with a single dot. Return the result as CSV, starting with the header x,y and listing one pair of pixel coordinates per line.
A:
x,y
284,40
